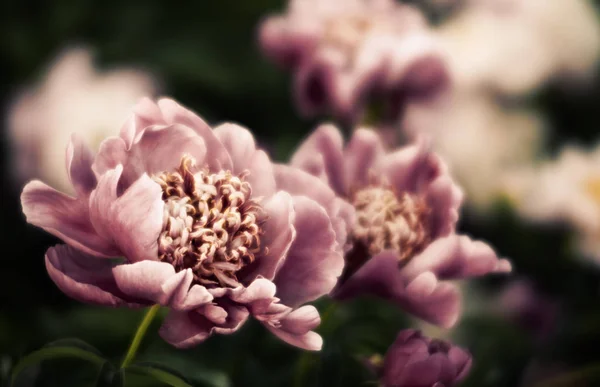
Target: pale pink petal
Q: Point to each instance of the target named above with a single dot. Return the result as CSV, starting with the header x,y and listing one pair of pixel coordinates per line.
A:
x,y
278,235
241,146
217,157
134,220
298,182
296,328
187,329
323,147
410,168
456,257
422,295
444,198
112,152
64,217
462,360
363,155
79,167
83,277
314,261
157,282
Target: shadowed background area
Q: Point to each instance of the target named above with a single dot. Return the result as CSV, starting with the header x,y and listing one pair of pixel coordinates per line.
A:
x,y
205,55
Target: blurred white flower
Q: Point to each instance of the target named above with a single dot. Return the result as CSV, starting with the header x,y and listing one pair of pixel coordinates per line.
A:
x,y
514,46
480,140
73,98
567,190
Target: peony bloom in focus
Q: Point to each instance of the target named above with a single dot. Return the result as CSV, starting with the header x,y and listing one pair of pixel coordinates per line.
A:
x,y
200,227
563,190
402,243
73,98
343,52
417,361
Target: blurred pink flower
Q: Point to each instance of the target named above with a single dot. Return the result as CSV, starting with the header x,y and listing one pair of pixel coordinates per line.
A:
x,y
417,361
513,138
534,41
344,51
201,224
402,245
521,303
565,189
73,98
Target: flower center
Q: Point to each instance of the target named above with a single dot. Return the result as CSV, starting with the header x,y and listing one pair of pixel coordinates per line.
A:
x,y
388,221
210,224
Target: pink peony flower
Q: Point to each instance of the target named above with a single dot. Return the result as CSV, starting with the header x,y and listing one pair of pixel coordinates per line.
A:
x,y
344,52
200,224
417,361
402,245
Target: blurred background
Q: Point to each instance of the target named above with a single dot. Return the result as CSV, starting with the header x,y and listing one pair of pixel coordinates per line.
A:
x,y
520,134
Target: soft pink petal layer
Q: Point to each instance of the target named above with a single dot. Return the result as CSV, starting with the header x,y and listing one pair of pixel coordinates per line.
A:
x,y
133,220
187,329
296,328
315,260
240,144
415,169
456,257
79,167
84,277
157,283
64,217
422,295
322,152
156,149
279,232
217,157
363,155
301,183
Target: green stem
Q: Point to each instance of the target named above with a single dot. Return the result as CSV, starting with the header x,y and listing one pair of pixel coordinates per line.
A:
x,y
139,335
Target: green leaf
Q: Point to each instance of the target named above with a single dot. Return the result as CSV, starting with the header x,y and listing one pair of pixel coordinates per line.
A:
x,y
158,372
66,348
75,343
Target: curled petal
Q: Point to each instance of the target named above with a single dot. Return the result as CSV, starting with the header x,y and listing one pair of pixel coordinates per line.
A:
x,y
315,260
423,295
64,217
410,168
112,152
79,167
298,182
240,144
323,149
279,232
186,329
296,328
83,277
444,198
157,282
217,157
456,257
134,220
363,155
